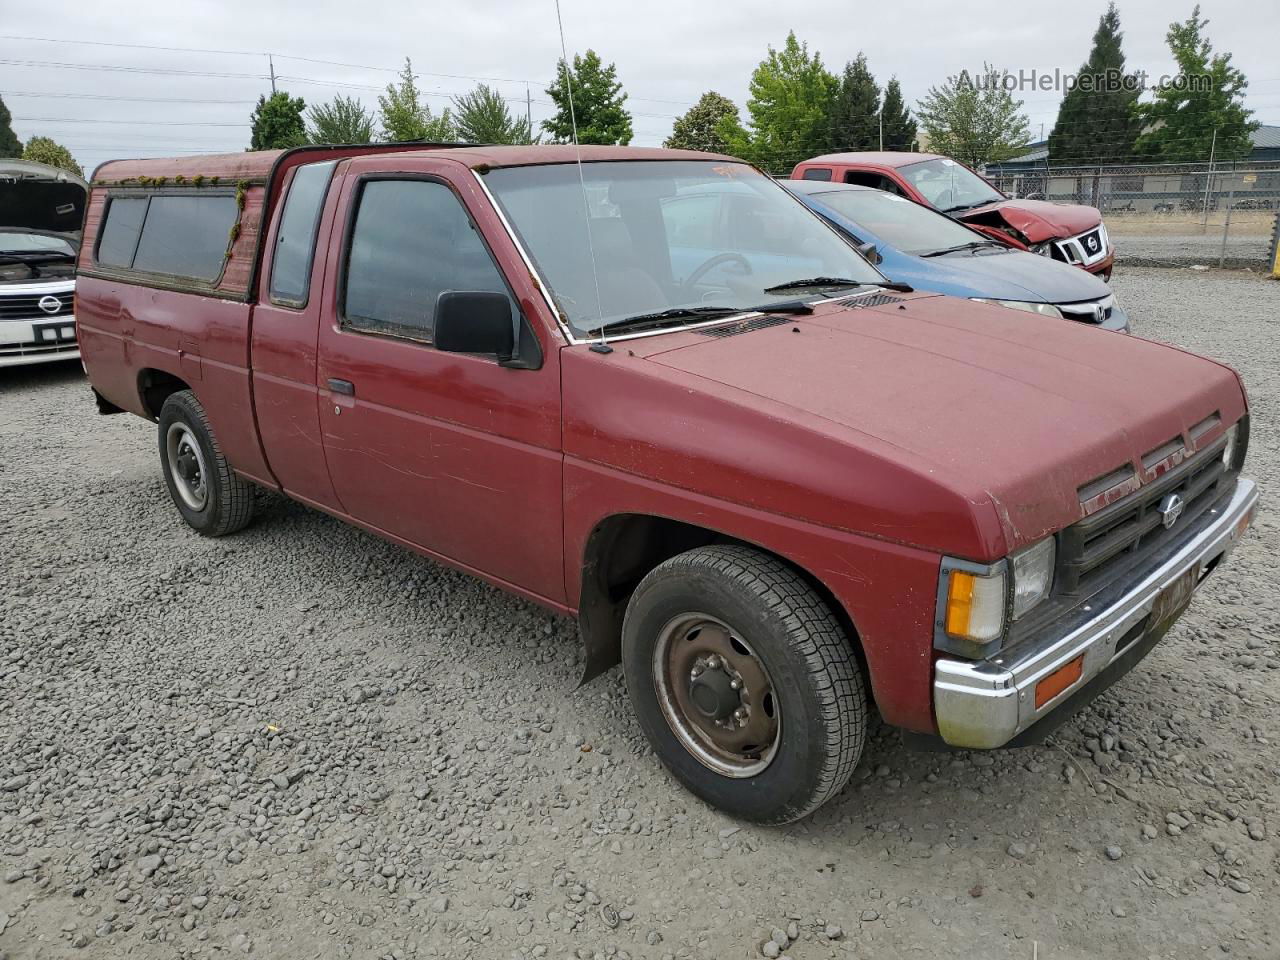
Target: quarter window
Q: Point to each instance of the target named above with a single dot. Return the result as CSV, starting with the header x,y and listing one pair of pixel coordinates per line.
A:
x,y
412,241
120,231
296,238
180,236
186,236
817,173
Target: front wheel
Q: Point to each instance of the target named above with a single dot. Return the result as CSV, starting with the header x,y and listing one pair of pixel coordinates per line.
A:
x,y
211,497
744,682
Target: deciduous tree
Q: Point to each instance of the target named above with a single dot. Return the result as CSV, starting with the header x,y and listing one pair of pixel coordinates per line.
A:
x,y
277,122
405,116
976,120
482,116
46,150
598,103
1208,99
790,109
341,120
700,127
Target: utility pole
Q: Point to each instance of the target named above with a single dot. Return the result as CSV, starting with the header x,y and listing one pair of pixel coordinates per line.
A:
x,y
528,109
1208,181
881,116
272,67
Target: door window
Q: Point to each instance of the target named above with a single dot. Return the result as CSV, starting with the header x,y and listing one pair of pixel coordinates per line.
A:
x,y
296,238
412,241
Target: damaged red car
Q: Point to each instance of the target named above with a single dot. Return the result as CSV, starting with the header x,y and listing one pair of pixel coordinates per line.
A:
x,y
1068,232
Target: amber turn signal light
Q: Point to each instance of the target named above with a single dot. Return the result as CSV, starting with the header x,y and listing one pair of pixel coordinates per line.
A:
x,y
1059,680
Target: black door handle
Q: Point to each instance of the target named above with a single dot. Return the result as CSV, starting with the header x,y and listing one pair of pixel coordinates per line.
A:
x,y
345,387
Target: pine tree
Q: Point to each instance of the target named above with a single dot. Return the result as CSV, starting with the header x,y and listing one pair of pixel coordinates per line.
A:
x,y
790,109
597,103
898,127
406,117
976,120
1098,119
855,109
700,127
482,116
10,145
277,122
1204,112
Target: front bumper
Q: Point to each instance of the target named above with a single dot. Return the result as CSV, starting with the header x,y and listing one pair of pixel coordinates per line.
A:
x,y
985,704
38,340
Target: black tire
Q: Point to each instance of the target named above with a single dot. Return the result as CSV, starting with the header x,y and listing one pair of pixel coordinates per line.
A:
x,y
222,502
794,636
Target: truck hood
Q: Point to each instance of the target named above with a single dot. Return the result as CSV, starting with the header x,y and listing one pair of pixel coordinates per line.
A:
x,y
36,198
1011,415
1037,220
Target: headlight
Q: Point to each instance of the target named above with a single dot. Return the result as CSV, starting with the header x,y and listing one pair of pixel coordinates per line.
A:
x,y
1044,309
1229,451
1032,575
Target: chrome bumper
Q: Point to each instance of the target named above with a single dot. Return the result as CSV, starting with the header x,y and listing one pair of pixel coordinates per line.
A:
x,y
985,704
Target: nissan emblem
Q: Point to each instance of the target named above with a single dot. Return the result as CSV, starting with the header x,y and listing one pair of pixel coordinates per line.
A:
x,y
1170,509
49,304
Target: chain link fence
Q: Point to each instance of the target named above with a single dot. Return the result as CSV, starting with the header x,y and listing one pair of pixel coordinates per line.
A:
x,y
1221,214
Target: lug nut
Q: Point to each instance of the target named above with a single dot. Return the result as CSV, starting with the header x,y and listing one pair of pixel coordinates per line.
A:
x,y
735,683
713,662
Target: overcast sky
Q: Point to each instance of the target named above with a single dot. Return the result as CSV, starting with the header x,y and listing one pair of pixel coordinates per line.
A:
x,y
668,52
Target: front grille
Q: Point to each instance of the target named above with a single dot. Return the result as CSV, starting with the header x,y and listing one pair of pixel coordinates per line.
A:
x,y
27,307
1118,537
1089,311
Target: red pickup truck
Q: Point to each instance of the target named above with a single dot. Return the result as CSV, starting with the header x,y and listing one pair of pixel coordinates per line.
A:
x,y
1068,232
652,391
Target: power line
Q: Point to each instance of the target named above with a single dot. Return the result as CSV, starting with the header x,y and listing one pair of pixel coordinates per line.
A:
x,y
101,96
159,123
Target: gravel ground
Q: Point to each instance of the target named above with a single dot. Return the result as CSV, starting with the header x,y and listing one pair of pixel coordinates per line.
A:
x,y
1242,251
304,742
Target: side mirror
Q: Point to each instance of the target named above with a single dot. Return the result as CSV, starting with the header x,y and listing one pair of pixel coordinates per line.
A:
x,y
475,321
869,251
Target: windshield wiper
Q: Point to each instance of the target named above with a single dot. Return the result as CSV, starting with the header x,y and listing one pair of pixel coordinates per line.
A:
x,y
971,245
673,316
815,282
968,206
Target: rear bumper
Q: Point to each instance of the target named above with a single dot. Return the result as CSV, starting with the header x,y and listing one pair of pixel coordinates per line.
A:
x,y
987,704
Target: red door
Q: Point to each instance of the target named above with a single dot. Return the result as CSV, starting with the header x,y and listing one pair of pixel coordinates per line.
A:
x,y
285,328
452,453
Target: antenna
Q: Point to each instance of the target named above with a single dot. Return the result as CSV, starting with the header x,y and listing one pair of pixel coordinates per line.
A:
x,y
602,346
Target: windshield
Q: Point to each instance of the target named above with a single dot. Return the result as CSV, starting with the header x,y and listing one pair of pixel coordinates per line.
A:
x,y
33,243
669,235
897,221
949,185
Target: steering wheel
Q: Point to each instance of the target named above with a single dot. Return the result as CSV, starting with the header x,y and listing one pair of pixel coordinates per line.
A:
x,y
710,264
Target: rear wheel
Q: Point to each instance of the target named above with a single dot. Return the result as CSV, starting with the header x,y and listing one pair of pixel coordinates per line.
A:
x,y
744,682
211,497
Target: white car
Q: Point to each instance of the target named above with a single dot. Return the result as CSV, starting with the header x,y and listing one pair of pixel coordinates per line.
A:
x,y
41,217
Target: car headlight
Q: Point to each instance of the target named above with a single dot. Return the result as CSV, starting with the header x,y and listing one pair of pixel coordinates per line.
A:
x,y
1229,451
1026,306
977,602
1032,575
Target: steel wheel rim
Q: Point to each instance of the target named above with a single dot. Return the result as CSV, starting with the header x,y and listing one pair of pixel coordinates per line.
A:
x,y
732,730
187,466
